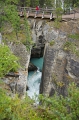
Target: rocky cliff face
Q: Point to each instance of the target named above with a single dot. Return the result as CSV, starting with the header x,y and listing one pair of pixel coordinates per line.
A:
x,y
61,58
17,82
38,37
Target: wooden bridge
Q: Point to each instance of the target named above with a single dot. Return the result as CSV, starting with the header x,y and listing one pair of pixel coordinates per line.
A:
x,y
45,13
31,12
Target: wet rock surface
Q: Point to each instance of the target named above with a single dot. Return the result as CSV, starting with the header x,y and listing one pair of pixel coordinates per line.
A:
x,y
37,52
32,67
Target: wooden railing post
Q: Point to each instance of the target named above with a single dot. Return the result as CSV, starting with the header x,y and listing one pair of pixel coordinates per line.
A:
x,y
43,15
28,14
35,15
21,13
51,16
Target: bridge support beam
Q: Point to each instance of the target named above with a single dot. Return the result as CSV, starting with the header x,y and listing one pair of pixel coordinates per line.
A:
x,y
28,14
51,16
35,15
21,13
43,15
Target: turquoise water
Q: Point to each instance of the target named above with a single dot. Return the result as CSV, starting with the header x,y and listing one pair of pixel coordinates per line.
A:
x,y
34,78
38,62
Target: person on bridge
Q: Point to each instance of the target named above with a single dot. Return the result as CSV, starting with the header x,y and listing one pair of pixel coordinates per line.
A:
x,y
37,9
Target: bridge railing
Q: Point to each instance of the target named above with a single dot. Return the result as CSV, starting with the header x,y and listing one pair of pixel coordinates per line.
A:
x,y
34,9
32,12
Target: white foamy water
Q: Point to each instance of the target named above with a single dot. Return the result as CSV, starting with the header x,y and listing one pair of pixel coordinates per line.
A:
x,y
34,80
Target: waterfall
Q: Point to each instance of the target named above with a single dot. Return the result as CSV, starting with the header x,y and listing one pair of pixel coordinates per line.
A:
x,y
34,78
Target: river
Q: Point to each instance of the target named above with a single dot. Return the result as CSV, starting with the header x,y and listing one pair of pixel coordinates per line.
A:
x,y
34,78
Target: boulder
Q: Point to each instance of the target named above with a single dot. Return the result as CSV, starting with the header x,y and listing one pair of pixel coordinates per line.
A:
x,y
32,67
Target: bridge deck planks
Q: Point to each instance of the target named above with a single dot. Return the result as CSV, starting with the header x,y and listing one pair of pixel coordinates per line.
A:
x,y
44,13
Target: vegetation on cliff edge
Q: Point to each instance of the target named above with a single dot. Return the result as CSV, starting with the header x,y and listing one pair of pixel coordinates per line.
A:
x,y
51,108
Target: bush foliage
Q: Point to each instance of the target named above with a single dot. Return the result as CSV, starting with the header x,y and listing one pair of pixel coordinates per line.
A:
x,y
8,61
16,109
60,108
51,108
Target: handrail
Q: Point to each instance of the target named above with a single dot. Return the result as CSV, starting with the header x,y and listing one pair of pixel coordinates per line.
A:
x,y
42,12
41,9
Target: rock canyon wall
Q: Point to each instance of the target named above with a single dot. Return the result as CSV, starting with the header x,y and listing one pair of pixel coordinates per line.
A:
x,y
61,58
60,52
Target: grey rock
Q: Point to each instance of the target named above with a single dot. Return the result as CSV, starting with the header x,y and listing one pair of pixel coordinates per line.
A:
x,y
13,87
74,65
37,52
17,82
32,67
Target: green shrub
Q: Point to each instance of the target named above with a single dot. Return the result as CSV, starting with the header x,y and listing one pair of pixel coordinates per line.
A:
x,y
60,108
74,36
59,12
69,46
57,23
50,108
52,43
16,109
8,61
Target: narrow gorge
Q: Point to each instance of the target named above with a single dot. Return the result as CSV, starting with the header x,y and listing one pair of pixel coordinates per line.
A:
x,y
60,51
61,54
